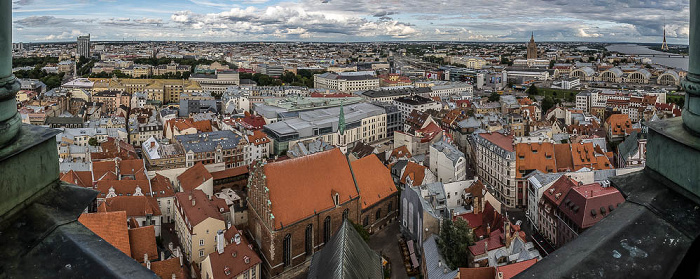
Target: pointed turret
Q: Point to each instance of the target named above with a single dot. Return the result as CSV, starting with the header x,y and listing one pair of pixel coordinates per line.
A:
x,y
664,46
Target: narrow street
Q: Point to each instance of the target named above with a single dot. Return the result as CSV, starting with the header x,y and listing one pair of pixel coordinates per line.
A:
x,y
386,242
533,235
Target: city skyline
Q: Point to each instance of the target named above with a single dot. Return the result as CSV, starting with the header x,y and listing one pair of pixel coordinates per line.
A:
x,y
351,21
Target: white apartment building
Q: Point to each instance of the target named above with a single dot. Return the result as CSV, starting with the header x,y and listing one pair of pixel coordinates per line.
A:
x,y
447,162
408,104
495,159
347,81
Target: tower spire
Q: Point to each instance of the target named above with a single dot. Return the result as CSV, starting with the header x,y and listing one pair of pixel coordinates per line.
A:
x,y
664,46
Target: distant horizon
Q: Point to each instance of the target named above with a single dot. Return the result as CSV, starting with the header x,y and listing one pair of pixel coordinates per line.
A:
x,y
594,21
349,42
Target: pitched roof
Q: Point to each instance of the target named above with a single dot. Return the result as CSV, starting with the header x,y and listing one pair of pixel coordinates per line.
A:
x,y
166,268
200,210
234,257
373,179
477,273
619,124
80,178
193,177
232,172
510,270
122,187
501,140
143,241
110,226
133,205
534,156
309,179
346,255
401,151
587,204
555,193
258,138
161,187
415,171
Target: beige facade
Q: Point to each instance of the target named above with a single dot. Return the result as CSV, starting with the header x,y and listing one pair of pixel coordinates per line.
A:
x,y
200,240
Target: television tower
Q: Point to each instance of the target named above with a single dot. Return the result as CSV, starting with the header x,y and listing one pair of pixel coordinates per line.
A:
x,y
664,46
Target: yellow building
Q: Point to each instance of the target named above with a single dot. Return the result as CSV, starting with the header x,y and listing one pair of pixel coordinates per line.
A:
x,y
161,90
197,221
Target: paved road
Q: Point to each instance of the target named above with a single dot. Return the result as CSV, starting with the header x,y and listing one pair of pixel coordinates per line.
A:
x,y
540,243
387,243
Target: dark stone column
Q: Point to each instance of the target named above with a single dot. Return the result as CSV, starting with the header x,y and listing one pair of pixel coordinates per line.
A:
x,y
9,119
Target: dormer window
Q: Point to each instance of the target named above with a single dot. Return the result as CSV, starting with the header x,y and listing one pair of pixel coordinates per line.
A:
x,y
336,199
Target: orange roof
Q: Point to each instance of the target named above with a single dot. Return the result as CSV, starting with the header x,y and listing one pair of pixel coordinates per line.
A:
x,y
477,273
133,205
525,101
202,208
562,154
415,171
100,169
134,167
258,138
618,124
166,268
143,241
123,187
401,151
534,156
110,226
584,155
373,179
80,178
509,271
311,179
193,177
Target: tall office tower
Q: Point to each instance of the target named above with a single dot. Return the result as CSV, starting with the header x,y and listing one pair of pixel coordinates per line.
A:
x,y
532,48
84,46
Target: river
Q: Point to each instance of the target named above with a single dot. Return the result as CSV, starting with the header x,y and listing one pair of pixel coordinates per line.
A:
x,y
673,62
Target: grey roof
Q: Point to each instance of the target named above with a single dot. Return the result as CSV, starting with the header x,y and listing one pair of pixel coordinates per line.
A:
x,y
346,256
450,151
434,262
629,145
327,118
470,122
207,142
395,92
543,178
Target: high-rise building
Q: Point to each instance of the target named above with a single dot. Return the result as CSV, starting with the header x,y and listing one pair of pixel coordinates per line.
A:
x,y
532,48
84,46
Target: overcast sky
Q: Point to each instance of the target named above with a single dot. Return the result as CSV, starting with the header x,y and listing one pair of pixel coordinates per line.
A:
x,y
352,20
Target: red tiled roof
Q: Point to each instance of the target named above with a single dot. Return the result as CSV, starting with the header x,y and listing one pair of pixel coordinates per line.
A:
x,y
161,187
477,273
122,187
373,179
509,271
202,208
193,177
133,205
562,155
258,138
100,169
401,151
415,171
236,258
311,179
80,178
110,226
494,242
618,124
166,268
232,172
555,193
534,156
429,132
501,140
143,241
585,199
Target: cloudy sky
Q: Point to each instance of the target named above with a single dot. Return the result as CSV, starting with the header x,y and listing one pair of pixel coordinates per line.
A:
x,y
351,20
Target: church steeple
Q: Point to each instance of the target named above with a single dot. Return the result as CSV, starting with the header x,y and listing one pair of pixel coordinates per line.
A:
x,y
341,120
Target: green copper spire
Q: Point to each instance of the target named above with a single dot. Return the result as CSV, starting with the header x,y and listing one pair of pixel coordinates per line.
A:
x,y
341,120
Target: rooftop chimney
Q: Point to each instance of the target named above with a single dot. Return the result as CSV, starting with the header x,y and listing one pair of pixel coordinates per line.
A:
x,y
193,202
220,242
